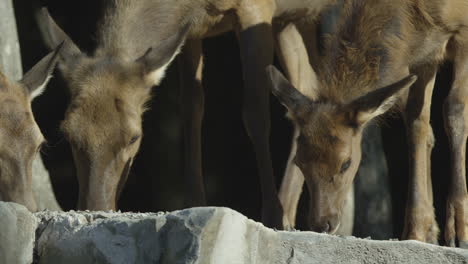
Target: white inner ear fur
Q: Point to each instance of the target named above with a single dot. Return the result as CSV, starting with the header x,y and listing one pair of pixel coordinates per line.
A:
x,y
365,116
39,90
155,77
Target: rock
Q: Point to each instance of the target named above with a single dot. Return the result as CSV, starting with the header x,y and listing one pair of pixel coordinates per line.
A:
x,y
10,58
210,235
17,231
121,238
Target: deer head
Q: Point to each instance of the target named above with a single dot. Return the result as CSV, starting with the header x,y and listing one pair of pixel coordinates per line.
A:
x,y
329,144
104,120
20,135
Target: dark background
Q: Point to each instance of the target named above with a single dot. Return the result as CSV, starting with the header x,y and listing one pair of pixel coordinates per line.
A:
x,y
155,181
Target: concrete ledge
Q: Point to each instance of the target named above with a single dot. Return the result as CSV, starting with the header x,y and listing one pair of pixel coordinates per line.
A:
x,y
210,235
17,229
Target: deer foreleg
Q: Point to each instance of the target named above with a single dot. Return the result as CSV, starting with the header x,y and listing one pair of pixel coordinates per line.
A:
x,y
294,59
192,105
291,188
256,46
456,121
433,234
420,221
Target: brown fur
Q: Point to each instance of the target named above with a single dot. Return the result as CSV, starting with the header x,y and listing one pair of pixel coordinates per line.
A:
x,y
126,32
20,135
112,123
374,44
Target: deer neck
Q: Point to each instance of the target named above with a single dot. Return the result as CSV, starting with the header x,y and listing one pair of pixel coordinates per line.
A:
x,y
129,28
363,49
293,10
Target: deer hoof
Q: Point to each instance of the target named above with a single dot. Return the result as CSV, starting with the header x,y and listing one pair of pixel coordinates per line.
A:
x,y
287,225
464,244
456,228
433,235
451,243
420,224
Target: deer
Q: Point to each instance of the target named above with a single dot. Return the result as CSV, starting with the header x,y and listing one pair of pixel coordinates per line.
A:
x,y
22,139
110,86
381,56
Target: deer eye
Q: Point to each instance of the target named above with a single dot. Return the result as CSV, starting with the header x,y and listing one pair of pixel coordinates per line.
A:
x,y
134,139
345,166
295,160
40,146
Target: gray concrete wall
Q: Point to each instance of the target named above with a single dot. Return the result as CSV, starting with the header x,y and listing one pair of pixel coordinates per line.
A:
x,y
17,232
211,235
202,235
10,58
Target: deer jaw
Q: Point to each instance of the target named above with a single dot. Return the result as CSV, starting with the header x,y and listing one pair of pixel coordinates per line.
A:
x,y
103,126
21,139
108,93
19,133
329,144
328,154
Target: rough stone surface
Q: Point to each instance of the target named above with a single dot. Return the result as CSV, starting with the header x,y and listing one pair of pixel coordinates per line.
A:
x,y
10,58
17,230
210,235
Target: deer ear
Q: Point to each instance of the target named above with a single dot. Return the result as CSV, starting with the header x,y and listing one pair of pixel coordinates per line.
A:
x,y
286,93
375,103
156,60
53,35
36,79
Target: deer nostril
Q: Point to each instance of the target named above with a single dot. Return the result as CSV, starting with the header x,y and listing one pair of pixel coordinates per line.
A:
x,y
324,227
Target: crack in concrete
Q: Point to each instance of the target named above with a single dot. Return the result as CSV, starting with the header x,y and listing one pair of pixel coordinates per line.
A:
x,y
291,257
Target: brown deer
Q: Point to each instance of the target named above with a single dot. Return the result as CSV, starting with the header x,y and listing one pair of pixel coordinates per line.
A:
x,y
137,40
377,50
20,133
294,48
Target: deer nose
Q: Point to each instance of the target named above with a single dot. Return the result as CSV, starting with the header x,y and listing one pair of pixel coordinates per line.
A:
x,y
324,228
326,225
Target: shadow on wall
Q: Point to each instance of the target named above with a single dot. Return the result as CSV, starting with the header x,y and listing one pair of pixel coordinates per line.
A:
x,y
229,167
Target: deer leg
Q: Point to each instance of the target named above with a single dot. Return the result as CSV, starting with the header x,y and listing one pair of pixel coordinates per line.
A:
x,y
456,121
192,104
294,59
457,202
432,236
420,217
256,46
291,188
